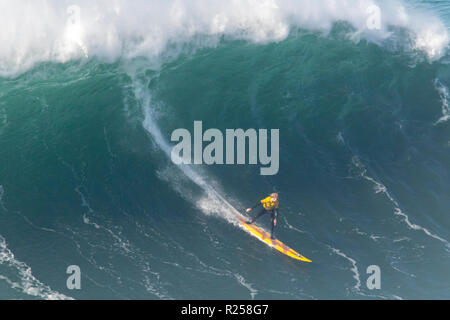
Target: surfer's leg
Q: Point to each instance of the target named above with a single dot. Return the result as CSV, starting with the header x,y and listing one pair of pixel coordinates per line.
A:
x,y
259,214
272,215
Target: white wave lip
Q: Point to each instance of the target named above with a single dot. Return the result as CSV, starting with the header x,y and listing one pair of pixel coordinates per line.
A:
x,y
36,31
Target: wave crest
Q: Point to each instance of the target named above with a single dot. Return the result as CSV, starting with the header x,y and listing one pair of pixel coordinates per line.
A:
x,y
39,30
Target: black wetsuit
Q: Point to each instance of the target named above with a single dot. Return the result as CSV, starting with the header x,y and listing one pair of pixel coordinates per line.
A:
x,y
262,211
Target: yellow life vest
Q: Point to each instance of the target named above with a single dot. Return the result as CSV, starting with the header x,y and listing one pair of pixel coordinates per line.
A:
x,y
268,204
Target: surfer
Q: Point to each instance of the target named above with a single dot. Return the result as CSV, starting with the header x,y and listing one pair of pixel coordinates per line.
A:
x,y
268,205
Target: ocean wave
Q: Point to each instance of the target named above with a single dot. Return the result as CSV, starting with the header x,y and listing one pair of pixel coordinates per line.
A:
x,y
59,31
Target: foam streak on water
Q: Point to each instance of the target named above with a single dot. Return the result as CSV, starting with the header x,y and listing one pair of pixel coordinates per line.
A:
x,y
443,93
380,188
23,278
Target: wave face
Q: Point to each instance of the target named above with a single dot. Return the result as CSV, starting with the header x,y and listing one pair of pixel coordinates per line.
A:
x,y
90,92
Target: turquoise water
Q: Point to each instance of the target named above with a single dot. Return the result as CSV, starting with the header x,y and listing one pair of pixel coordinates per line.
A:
x,y
364,173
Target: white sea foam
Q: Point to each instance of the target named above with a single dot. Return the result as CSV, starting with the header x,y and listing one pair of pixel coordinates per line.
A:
x,y
354,268
444,94
357,277
2,193
53,30
122,243
243,282
23,279
380,188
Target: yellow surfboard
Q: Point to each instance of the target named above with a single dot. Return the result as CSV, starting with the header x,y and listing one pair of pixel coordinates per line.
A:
x,y
276,244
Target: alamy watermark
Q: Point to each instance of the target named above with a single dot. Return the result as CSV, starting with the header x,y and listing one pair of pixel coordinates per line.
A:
x,y
374,280
74,280
191,150
373,21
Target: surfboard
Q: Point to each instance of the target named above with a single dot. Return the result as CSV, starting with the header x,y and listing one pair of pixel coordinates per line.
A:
x,y
274,243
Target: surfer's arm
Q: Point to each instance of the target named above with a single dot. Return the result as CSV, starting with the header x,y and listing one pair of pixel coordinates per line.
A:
x,y
256,205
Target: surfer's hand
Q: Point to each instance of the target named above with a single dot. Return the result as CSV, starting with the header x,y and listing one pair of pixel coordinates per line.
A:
x,y
275,222
248,210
